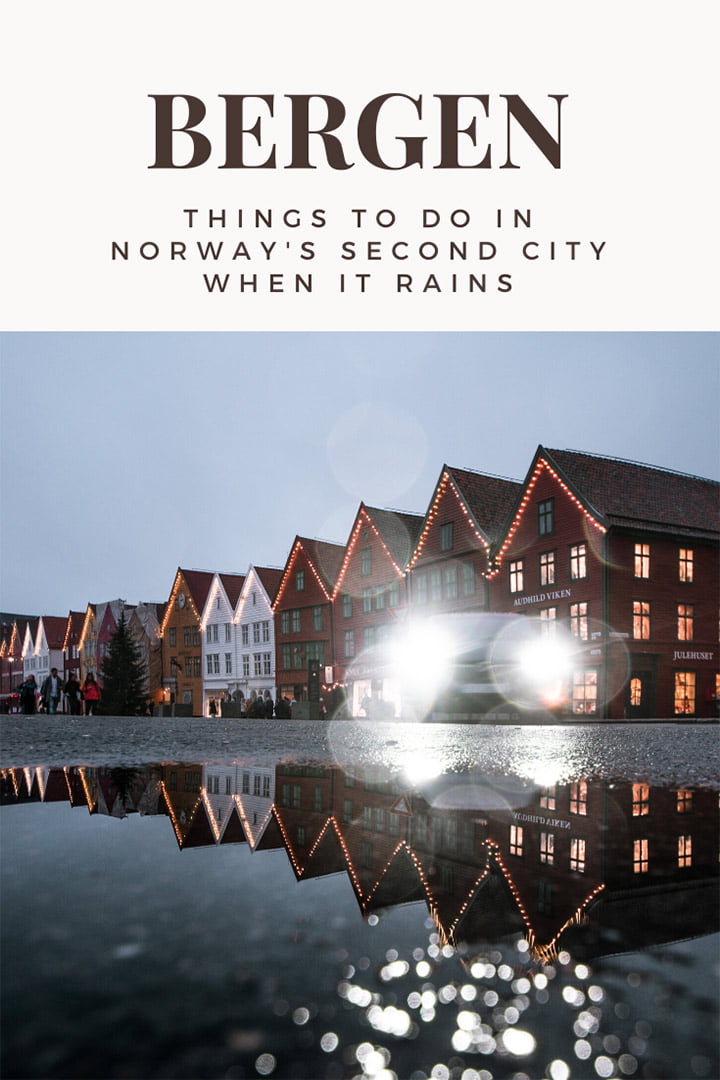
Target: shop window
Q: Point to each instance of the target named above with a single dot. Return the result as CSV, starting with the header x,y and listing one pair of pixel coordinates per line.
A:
x,y
547,568
686,557
516,840
641,620
579,620
640,800
578,562
685,622
684,693
640,857
516,576
546,515
577,855
684,851
446,536
584,700
578,797
642,560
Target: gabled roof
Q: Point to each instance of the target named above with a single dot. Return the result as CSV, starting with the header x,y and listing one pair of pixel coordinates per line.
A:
x,y
232,584
73,628
324,557
198,583
399,530
54,626
488,498
270,576
627,493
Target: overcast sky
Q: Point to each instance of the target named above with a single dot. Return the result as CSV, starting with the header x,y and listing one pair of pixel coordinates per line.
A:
x,y
127,455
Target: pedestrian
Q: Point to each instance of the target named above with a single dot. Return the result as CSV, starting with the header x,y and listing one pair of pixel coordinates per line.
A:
x,y
212,707
50,691
268,705
91,695
72,694
27,692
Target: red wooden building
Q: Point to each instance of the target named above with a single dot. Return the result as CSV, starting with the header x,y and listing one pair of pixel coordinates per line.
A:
x,y
626,557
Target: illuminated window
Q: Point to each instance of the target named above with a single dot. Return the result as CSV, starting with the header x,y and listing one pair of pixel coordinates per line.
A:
x,y
640,856
684,693
446,536
545,517
577,855
347,606
435,585
685,622
584,700
578,561
547,568
468,579
579,620
636,691
641,620
451,582
686,558
578,797
516,576
367,598
642,560
300,580
516,840
547,798
640,800
548,621
349,644
684,802
547,848
317,617
684,850
366,562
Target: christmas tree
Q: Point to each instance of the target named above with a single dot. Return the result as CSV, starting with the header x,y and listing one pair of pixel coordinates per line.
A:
x,y
123,675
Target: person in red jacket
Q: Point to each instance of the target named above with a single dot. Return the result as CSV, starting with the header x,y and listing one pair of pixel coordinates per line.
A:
x,y
91,695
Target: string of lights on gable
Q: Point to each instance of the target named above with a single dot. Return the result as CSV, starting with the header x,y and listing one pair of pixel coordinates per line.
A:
x,y
541,465
432,513
363,521
297,548
171,603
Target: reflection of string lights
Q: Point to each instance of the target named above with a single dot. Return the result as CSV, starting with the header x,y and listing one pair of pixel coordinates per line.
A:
x,y
177,826
540,466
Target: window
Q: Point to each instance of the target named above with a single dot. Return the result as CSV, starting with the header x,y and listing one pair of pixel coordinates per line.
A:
x,y
347,606
684,802
246,666
265,627
640,800
379,597
366,562
584,692
257,664
642,560
187,635
300,580
577,855
317,799
209,664
578,797
347,812
684,693
547,848
516,576
578,561
640,857
228,632
547,798
641,620
216,663
317,615
420,588
266,787
295,621
349,643
196,635
548,621
435,585
579,620
468,579
188,667
367,598
368,637
173,636
685,622
446,536
516,840
267,663
228,785
245,630
545,517
636,692
256,633
547,568
684,851
212,632
246,783
394,594
451,582
228,663
685,564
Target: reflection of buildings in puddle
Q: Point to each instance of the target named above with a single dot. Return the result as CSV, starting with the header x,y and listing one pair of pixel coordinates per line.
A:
x,y
595,866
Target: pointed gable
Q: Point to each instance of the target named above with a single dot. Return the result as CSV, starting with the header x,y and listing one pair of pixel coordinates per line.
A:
x,y
321,558
73,629
232,584
394,532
